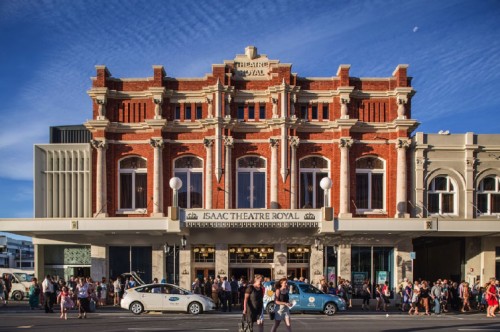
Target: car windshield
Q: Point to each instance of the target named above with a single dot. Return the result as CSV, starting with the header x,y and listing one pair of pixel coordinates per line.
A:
x,y
23,277
305,288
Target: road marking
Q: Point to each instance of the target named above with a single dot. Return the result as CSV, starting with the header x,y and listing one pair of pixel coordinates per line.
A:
x,y
25,327
170,329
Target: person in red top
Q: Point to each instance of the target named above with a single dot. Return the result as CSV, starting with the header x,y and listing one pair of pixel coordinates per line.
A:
x,y
491,297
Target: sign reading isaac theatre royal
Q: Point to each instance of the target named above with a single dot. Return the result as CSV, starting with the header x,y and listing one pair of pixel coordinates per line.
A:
x,y
252,65
251,218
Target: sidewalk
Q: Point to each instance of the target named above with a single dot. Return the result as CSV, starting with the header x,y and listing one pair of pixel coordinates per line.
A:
x,y
23,307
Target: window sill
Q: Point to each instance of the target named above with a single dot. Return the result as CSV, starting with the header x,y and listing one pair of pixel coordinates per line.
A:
x,y
367,212
138,211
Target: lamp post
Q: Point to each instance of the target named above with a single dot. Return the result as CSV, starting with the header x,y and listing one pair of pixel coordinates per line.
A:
x,y
326,184
176,184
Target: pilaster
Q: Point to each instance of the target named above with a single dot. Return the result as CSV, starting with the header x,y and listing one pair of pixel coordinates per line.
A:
x,y
316,265
228,143
294,144
159,262
401,178
274,172
185,267
157,144
208,143
221,259
280,261
39,261
344,145
101,197
99,262
344,252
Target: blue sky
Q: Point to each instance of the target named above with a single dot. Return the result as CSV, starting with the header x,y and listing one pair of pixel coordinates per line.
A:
x,y
48,50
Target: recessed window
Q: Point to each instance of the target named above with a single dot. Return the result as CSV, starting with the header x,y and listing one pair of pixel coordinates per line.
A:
x,y
488,196
326,112
303,112
251,177
251,112
177,115
370,174
190,170
441,195
133,183
198,112
240,113
262,112
187,113
315,112
312,170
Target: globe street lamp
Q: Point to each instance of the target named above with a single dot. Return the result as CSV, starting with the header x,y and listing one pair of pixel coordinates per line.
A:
x,y
176,184
326,184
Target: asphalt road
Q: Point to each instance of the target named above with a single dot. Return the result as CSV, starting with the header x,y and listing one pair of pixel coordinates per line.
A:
x,y
114,319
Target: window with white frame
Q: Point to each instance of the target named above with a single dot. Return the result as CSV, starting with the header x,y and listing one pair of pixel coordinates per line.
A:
x,y
370,184
312,170
441,195
133,183
251,177
190,170
488,195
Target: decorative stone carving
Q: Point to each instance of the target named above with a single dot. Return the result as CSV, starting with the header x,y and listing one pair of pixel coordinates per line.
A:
x,y
401,108
156,142
98,144
158,100
101,111
227,110
275,107
228,141
345,143
292,105
402,143
208,142
274,142
294,141
471,162
343,108
209,102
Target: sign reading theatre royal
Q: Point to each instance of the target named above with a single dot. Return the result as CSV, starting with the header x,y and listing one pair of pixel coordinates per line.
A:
x,y
252,65
251,218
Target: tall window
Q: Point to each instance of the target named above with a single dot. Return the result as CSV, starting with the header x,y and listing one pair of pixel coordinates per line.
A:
x,y
441,195
488,195
370,184
312,170
315,112
303,112
251,112
198,112
326,111
177,115
262,112
133,183
251,177
241,112
187,113
190,171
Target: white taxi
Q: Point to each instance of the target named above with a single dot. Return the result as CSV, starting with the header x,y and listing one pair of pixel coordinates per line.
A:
x,y
164,297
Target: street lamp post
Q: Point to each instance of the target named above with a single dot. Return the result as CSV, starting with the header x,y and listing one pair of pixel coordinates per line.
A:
x,y
176,184
326,184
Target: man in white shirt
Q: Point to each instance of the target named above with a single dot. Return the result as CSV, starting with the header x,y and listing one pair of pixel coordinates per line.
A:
x,y
48,290
226,295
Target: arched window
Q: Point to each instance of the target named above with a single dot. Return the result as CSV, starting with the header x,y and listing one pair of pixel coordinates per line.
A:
x,y
488,195
312,170
133,183
441,195
190,171
251,177
370,180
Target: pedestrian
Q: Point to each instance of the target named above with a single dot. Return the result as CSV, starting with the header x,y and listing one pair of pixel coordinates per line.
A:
x,y
208,287
491,298
8,286
215,293
436,294
64,298
117,287
378,297
83,294
282,305
407,292
234,291
424,296
415,298
226,295
34,294
466,297
2,291
253,304
48,290
386,295
195,286
366,294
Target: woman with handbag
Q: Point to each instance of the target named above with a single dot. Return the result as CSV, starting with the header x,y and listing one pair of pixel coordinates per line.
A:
x,y
282,304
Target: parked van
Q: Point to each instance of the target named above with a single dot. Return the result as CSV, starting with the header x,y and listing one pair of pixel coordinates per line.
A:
x,y
21,282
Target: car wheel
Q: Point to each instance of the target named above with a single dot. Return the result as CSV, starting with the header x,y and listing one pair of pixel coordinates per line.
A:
x,y
17,295
195,308
270,307
330,309
137,308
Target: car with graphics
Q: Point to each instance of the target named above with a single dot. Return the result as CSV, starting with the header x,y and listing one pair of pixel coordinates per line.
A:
x,y
164,297
305,298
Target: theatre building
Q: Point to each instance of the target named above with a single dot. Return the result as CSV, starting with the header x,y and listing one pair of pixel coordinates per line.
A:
x,y
256,169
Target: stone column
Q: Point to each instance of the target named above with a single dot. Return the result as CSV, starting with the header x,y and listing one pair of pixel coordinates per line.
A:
x,y
344,269
208,173
39,261
157,144
229,143
294,144
99,262
401,197
280,261
344,145
101,199
470,162
185,267
274,172
159,262
316,265
221,260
